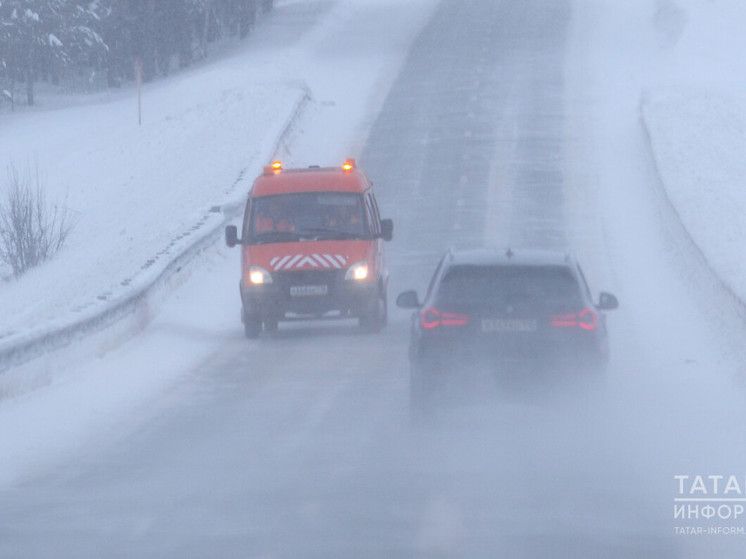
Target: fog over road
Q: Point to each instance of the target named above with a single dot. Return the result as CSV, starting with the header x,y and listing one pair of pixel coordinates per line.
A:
x,y
300,444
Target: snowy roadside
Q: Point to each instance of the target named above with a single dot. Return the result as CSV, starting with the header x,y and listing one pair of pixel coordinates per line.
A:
x,y
698,142
141,195
68,400
98,391
138,195
697,128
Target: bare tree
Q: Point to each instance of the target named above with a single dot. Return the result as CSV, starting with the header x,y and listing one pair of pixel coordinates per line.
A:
x,y
31,230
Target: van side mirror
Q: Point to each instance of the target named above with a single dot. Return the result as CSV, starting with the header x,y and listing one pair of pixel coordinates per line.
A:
x,y
387,229
231,236
408,300
607,302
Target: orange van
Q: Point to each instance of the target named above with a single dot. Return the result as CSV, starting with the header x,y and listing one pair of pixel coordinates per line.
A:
x,y
312,248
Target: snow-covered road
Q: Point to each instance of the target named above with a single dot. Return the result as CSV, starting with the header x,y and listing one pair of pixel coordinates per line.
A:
x,y
513,123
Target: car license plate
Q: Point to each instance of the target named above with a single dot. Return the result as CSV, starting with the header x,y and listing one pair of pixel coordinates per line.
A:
x,y
509,325
308,290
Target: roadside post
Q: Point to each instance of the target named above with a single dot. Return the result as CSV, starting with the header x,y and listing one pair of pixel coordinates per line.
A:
x,y
138,80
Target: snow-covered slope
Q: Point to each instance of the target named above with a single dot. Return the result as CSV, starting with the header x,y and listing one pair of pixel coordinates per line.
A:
x,y
697,127
699,141
134,191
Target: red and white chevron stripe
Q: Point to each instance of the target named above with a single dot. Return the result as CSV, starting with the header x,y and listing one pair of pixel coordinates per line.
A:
x,y
308,261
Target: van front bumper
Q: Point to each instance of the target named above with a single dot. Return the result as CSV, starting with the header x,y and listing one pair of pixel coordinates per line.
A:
x,y
311,294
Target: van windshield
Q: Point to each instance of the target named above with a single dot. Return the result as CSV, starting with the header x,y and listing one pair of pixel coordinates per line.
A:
x,y
307,216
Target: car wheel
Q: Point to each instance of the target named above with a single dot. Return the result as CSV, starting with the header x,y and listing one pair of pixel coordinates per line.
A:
x,y
591,377
421,390
376,317
252,326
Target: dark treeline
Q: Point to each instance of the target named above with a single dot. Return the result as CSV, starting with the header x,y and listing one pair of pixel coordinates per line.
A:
x,y
100,40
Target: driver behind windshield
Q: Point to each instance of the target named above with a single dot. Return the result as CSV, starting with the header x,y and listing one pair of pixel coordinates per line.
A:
x,y
343,218
309,215
273,217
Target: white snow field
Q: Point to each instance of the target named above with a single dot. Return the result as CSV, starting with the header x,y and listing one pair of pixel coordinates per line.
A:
x,y
695,114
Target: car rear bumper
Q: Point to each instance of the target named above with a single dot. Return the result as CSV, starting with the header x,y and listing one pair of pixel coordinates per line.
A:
x,y
443,354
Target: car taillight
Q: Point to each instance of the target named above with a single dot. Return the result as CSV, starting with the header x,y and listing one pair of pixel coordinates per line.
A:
x,y
431,318
587,319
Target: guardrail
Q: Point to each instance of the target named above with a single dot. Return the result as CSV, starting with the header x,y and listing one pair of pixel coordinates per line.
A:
x,y
131,299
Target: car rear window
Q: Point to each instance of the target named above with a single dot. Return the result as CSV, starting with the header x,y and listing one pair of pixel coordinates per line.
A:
x,y
476,285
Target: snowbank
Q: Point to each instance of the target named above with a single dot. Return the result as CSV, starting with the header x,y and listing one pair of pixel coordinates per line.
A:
x,y
697,128
136,193
699,141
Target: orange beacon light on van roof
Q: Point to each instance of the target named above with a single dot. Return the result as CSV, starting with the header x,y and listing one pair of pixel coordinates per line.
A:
x,y
349,165
274,168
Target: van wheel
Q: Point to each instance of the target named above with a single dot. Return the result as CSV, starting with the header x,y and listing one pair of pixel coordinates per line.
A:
x,y
252,326
270,325
376,317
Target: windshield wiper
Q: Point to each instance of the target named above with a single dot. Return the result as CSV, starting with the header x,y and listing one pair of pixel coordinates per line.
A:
x,y
333,233
275,236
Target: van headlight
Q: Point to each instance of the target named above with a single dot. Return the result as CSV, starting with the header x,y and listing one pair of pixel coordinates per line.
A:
x,y
357,272
258,276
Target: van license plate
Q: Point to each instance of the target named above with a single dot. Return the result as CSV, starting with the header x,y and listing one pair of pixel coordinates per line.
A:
x,y
508,325
308,290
